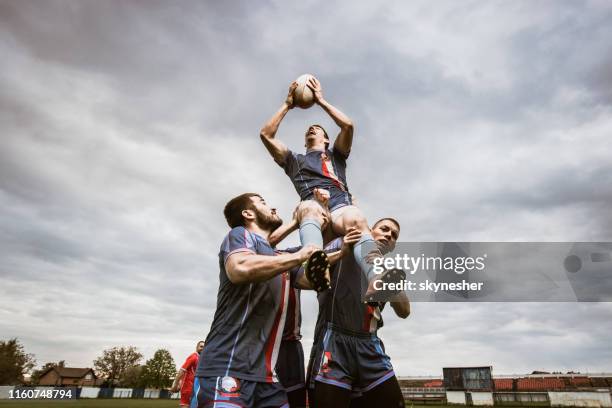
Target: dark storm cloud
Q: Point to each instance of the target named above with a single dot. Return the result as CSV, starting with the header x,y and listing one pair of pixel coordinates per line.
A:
x,y
126,126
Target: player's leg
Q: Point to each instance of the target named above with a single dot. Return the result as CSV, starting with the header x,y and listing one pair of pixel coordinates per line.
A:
x,y
385,395
377,379
297,398
312,218
290,371
331,396
365,250
269,395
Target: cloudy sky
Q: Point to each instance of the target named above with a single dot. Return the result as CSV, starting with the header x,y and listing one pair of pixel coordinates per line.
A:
x,y
126,126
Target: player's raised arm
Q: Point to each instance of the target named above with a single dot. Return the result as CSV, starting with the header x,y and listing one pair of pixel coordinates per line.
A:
x,y
277,149
248,267
344,140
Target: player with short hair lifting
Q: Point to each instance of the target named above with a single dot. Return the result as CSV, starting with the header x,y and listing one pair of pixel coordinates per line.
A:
x,y
237,365
348,357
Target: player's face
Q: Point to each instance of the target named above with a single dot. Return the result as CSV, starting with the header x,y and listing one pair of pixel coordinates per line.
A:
x,y
315,136
386,233
266,217
200,347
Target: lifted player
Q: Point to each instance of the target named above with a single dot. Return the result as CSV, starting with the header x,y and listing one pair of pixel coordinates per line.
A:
x,y
348,358
322,168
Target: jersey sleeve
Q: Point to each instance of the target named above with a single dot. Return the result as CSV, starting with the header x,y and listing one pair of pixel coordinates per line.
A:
x,y
338,155
289,163
191,362
239,239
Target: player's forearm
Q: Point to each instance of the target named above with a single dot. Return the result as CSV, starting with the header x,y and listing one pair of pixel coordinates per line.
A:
x,y
301,281
259,268
269,129
334,257
401,305
177,380
343,121
281,232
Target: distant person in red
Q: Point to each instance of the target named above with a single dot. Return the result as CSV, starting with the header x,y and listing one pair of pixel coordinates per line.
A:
x,y
184,378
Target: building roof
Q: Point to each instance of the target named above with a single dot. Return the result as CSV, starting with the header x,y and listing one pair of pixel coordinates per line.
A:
x,y
70,372
504,384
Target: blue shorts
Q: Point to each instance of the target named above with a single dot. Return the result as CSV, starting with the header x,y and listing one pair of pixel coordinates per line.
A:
x,y
290,365
231,392
352,360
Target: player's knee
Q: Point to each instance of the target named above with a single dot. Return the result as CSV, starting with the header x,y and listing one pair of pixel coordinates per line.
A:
x,y
354,218
309,210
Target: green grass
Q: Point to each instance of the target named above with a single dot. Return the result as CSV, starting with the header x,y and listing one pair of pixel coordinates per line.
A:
x,y
92,403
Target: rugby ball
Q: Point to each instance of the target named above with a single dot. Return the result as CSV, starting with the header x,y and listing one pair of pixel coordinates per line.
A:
x,y
303,96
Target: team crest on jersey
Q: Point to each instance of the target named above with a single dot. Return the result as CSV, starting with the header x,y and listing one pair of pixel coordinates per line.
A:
x,y
230,387
327,357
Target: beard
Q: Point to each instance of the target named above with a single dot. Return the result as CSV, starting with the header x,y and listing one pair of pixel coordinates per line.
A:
x,y
268,222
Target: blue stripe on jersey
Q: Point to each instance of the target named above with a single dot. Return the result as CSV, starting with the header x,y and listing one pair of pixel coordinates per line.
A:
x,y
246,311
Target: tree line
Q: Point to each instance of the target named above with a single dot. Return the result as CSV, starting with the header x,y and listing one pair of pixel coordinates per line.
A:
x,y
119,366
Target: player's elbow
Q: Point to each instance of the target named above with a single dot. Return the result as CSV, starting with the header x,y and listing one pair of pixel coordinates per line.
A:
x,y
265,134
238,274
348,126
402,312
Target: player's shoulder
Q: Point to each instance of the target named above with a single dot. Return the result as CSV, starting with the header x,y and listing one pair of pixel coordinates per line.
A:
x,y
238,236
334,152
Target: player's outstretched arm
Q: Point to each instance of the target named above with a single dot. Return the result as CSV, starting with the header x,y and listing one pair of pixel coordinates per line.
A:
x,y
344,140
176,385
247,267
353,235
278,150
401,305
281,232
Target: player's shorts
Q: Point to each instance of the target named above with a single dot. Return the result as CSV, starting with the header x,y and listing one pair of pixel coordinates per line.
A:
x,y
231,392
186,393
290,365
352,360
337,201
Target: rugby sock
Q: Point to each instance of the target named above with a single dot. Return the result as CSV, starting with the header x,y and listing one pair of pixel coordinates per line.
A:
x,y
310,233
365,249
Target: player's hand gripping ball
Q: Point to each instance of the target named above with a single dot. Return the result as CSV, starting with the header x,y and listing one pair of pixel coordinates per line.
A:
x,y
303,96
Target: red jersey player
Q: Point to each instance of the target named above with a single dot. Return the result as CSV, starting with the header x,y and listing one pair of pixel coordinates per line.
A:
x,y
184,378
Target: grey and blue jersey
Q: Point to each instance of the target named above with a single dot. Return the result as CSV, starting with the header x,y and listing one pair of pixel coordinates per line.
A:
x,y
342,305
247,328
319,169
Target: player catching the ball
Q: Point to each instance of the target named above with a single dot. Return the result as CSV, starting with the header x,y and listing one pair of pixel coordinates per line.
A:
x,y
322,168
